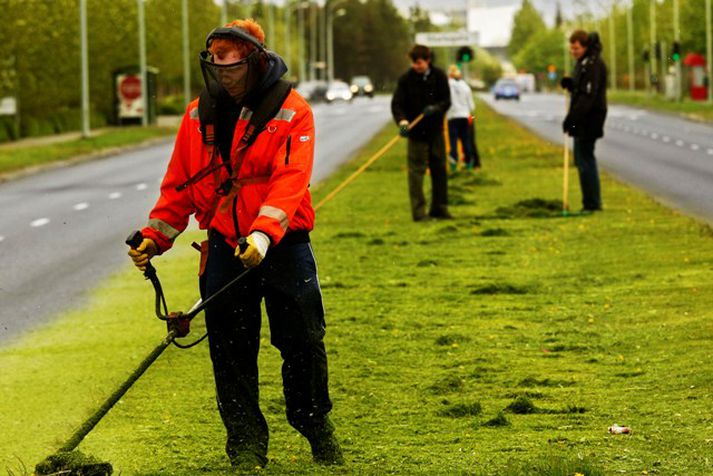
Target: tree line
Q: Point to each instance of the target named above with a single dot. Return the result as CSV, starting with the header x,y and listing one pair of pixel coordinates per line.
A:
x,y
40,51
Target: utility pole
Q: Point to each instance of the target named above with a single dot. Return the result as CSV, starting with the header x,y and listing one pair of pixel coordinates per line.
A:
x,y
323,39
652,20
612,48
630,46
186,52
224,13
85,67
709,49
142,65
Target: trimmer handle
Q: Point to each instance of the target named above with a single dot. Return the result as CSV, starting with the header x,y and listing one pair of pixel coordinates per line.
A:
x,y
242,244
134,241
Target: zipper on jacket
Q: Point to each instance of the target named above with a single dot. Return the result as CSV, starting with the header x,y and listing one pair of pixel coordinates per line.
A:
x,y
287,147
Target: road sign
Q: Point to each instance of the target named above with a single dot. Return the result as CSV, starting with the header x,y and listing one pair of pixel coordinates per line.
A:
x,y
130,94
448,38
8,106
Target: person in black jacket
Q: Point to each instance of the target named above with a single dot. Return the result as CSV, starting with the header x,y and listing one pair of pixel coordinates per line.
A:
x,y
587,112
424,90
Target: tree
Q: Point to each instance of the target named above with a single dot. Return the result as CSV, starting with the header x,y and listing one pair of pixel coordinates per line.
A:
x,y
526,24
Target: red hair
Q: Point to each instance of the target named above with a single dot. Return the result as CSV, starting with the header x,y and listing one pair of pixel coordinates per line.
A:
x,y
249,26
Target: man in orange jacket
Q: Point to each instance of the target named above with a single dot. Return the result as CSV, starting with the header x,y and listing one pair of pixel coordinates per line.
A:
x,y
242,180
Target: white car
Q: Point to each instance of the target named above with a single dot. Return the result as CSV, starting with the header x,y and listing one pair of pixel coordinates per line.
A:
x,y
338,91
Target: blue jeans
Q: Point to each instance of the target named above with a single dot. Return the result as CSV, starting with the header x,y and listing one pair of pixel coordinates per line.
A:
x,y
588,174
287,280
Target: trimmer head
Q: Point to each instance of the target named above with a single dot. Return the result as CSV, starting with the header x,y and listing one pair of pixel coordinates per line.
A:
x,y
73,463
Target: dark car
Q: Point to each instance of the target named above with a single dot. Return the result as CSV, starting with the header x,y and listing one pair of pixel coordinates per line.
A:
x,y
506,89
362,86
313,91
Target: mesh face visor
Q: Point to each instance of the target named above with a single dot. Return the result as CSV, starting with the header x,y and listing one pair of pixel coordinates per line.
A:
x,y
235,79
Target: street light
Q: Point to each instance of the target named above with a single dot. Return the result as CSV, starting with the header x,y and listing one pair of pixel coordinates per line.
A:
x,y
300,34
142,64
330,35
85,67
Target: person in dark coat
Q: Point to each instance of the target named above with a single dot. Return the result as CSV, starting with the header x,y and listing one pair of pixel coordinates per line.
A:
x,y
587,112
424,90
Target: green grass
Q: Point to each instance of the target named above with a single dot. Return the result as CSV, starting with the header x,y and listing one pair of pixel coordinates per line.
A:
x,y
695,110
435,330
13,159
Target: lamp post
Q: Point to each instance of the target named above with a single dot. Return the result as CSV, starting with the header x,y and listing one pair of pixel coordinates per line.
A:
x,y
142,64
709,50
312,40
186,53
652,20
630,45
330,35
85,67
300,34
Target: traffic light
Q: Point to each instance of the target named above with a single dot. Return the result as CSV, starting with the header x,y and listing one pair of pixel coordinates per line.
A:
x,y
465,54
646,55
676,51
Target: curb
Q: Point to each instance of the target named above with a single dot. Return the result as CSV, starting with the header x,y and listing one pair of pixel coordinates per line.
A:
x,y
79,159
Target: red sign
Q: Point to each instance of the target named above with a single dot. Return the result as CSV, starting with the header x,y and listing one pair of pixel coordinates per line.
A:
x,y
130,88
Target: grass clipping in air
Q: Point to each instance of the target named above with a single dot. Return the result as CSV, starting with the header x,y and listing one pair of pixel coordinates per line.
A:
x,y
433,330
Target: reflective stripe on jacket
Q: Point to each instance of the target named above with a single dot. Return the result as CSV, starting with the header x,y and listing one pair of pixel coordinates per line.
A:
x,y
273,195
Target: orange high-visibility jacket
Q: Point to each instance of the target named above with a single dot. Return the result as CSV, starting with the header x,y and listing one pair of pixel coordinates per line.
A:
x,y
272,195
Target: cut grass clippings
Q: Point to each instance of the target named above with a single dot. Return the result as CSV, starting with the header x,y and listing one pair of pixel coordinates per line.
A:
x,y
14,159
614,317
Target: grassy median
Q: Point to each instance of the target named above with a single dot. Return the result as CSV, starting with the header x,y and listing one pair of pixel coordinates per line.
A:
x,y
20,157
687,108
505,341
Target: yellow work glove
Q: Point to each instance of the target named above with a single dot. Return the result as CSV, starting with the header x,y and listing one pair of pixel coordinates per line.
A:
x,y
258,243
141,255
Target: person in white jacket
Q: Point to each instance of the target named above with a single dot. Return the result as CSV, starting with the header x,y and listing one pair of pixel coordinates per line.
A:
x,y
460,120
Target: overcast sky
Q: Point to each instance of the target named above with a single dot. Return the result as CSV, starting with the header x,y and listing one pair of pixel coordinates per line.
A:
x,y
546,7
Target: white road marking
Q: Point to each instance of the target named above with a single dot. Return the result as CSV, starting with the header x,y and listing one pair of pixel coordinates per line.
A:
x,y
39,222
666,139
81,206
654,135
710,151
695,147
2,238
141,186
114,195
679,143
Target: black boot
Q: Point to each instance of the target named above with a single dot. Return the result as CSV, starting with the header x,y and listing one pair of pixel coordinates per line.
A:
x,y
326,450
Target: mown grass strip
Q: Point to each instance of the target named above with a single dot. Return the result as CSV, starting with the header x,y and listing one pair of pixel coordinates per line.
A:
x,y
610,324
687,108
13,159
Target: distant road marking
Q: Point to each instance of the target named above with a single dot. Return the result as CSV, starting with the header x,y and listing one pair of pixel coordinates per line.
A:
x,y
39,222
679,143
141,186
695,147
114,195
81,206
666,139
710,151
2,238
654,135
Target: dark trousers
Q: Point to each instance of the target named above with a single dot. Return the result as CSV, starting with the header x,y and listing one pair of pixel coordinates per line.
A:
x,y
458,129
474,145
431,154
588,174
287,279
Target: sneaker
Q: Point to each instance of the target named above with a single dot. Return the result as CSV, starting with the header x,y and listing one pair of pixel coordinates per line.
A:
x,y
326,451
453,163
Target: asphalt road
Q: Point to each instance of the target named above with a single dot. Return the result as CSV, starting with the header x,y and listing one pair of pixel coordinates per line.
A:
x,y
62,231
669,157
